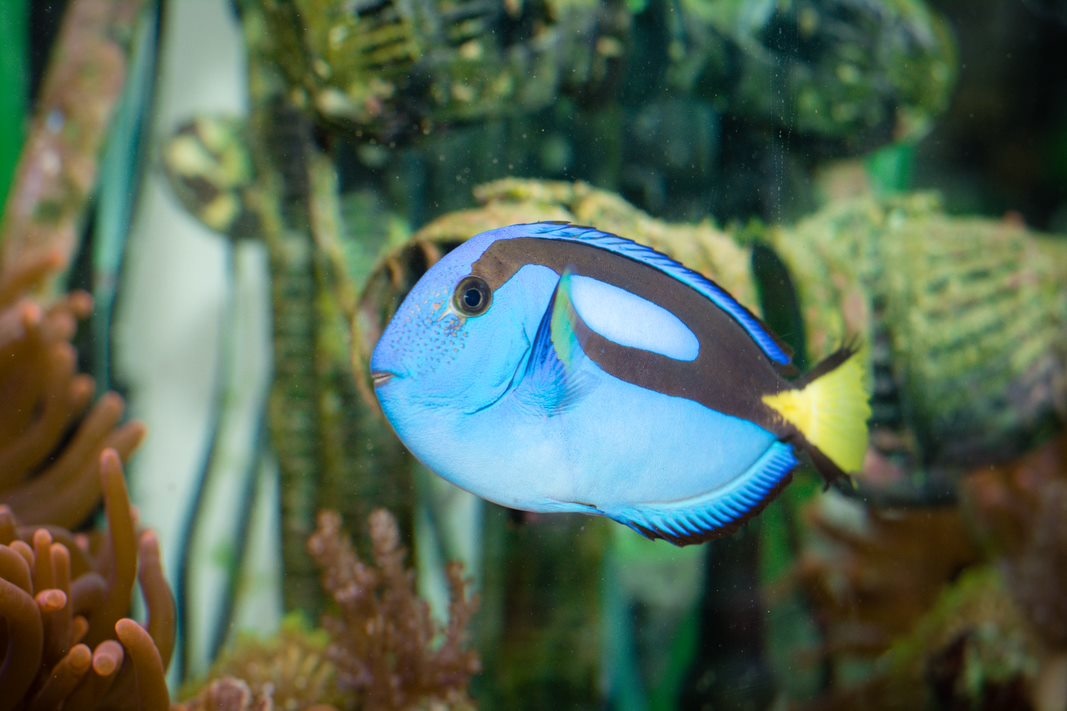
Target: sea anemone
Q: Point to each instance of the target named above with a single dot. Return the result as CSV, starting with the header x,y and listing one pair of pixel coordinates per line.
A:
x,y
66,640
51,433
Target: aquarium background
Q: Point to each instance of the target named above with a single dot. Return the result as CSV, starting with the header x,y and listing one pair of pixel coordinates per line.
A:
x,y
247,189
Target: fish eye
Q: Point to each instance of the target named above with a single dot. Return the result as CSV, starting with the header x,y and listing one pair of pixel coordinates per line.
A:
x,y
472,296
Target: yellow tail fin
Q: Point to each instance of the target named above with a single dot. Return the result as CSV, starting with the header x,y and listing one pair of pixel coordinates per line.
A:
x,y
831,412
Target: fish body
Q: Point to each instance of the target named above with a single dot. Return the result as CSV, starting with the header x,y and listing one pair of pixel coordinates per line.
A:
x,y
553,367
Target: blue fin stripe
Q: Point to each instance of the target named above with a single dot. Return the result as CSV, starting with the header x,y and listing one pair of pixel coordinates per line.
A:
x,y
549,381
647,255
704,519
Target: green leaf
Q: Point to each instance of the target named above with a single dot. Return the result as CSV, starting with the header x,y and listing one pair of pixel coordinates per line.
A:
x,y
14,71
891,168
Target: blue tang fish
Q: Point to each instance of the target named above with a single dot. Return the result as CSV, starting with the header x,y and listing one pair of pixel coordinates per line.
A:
x,y
551,367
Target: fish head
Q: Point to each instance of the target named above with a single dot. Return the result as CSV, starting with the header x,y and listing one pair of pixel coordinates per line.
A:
x,y
457,342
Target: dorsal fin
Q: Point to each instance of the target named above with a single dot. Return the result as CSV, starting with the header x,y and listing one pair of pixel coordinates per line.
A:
x,y
767,342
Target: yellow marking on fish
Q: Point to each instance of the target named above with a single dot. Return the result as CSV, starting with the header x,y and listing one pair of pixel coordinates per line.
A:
x,y
831,412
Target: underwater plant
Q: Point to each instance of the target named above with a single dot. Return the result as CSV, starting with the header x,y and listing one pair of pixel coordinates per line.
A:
x,y
389,651
666,102
868,573
379,647
392,70
290,670
64,600
397,70
976,620
65,596
269,178
1019,512
968,650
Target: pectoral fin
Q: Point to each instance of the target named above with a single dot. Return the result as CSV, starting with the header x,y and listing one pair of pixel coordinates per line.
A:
x,y
553,379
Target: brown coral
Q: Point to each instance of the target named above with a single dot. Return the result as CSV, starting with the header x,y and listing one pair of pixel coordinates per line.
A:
x,y
389,651
1020,510
969,650
66,642
381,649
996,633
870,574
50,433
232,694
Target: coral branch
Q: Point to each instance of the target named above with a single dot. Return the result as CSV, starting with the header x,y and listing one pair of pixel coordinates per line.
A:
x,y
869,573
289,671
388,649
381,648
1021,512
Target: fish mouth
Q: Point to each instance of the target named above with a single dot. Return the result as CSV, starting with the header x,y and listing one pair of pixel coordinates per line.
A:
x,y
381,378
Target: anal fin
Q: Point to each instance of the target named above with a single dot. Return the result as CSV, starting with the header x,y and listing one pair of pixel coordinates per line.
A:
x,y
719,512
